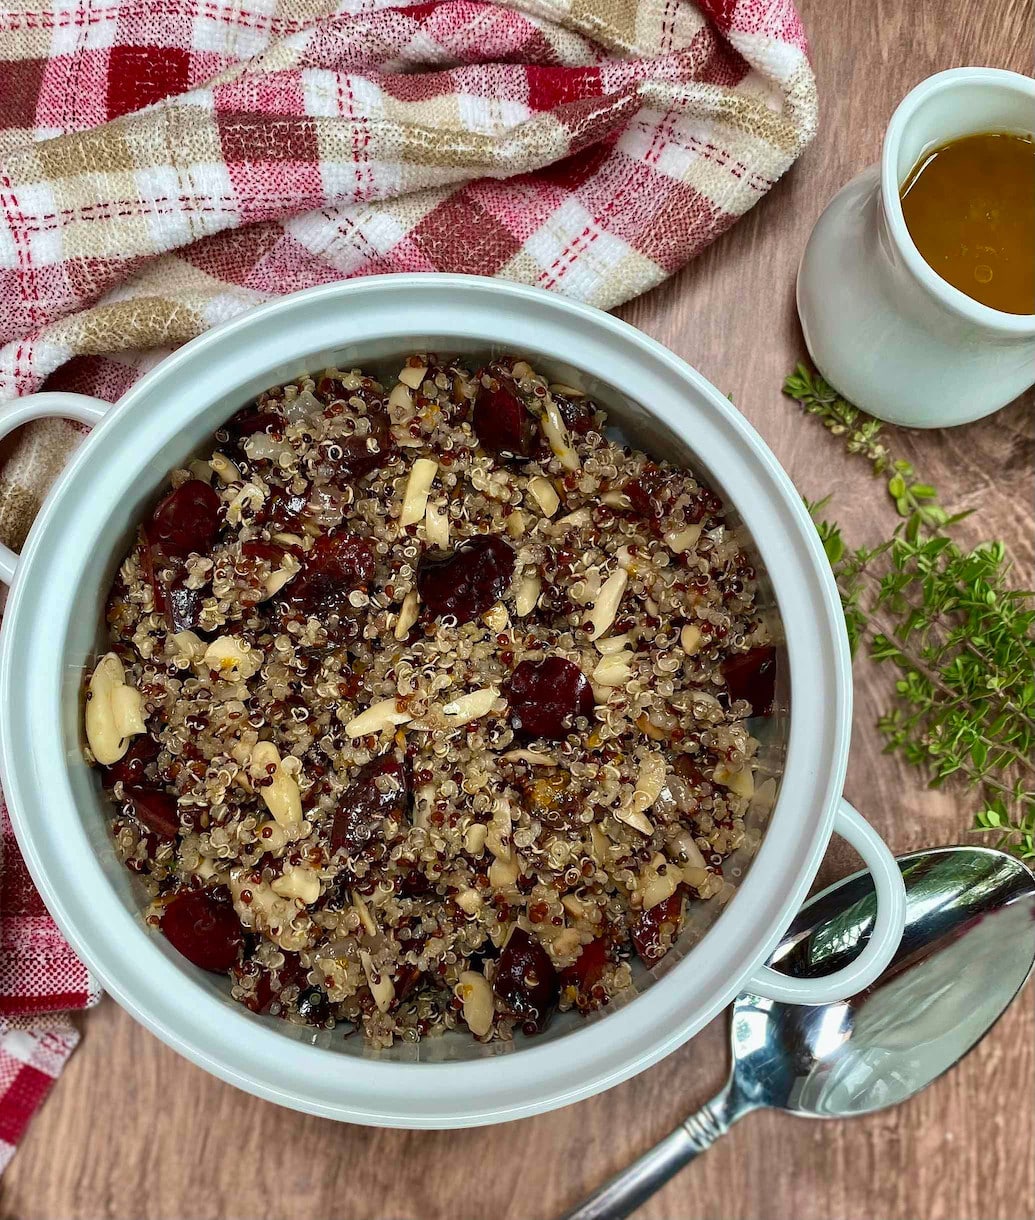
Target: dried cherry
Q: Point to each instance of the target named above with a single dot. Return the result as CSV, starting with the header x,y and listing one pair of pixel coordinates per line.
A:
x,y
503,423
525,982
186,521
751,675
203,926
155,809
338,563
364,805
656,929
545,697
466,582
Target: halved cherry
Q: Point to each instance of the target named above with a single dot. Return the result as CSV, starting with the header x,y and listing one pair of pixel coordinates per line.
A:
x,y
338,564
186,521
466,582
656,929
155,809
203,926
752,676
545,697
525,982
380,790
502,422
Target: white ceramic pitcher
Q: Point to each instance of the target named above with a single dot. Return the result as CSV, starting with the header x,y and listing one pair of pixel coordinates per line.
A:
x,y
879,323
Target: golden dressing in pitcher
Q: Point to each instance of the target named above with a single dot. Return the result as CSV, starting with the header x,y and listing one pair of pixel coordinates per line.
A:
x,y
970,210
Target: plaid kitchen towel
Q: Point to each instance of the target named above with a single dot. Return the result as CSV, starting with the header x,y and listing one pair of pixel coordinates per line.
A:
x,y
40,978
166,164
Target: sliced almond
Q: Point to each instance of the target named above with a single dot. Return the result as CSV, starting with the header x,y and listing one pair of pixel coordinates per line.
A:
x,y
574,520
500,828
281,797
418,485
111,717
497,619
363,911
613,643
658,881
232,658
469,900
649,781
504,872
615,499
516,524
474,838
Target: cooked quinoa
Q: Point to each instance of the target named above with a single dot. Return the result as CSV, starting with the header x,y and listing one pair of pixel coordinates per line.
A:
x,y
426,709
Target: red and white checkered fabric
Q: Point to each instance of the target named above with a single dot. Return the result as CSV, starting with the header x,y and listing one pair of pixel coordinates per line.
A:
x,y
166,164
40,980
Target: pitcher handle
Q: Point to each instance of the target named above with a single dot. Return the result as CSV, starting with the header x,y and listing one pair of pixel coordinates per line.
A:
x,y
884,939
53,404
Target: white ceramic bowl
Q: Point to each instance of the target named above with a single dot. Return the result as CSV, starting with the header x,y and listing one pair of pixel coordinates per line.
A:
x,y
53,624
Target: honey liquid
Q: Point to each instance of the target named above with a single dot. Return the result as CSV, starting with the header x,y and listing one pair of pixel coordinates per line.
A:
x,y
970,209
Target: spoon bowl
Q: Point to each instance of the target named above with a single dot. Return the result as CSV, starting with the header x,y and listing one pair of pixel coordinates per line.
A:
x,y
968,948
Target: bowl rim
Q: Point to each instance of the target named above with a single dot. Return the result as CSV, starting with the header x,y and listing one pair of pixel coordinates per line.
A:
x,y
211,1031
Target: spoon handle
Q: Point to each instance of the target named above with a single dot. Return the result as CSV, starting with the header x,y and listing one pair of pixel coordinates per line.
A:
x,y
632,1187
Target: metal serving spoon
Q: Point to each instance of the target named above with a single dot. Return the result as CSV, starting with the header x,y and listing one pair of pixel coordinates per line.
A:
x,y
968,947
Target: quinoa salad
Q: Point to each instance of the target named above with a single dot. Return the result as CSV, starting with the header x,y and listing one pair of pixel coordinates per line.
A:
x,y
426,705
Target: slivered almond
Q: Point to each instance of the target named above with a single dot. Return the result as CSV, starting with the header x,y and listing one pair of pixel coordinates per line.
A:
x,y
690,639
401,398
418,485
556,433
634,818
436,526
544,494
225,470
475,995
516,524
741,783
469,707
376,718
649,781
606,605
412,375
381,986
682,540
613,670
407,615
527,594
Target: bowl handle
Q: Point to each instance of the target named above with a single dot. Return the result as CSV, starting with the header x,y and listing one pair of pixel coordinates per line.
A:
x,y
44,406
883,941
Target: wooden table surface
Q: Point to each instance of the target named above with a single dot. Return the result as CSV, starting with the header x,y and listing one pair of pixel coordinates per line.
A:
x,y
134,1131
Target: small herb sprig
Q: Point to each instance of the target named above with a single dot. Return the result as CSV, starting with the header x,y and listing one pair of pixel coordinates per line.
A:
x,y
960,637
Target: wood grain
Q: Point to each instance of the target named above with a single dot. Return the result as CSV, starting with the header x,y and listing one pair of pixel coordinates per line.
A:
x,y
133,1131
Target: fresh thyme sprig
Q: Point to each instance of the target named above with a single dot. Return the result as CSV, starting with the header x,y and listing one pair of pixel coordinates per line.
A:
x,y
960,638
